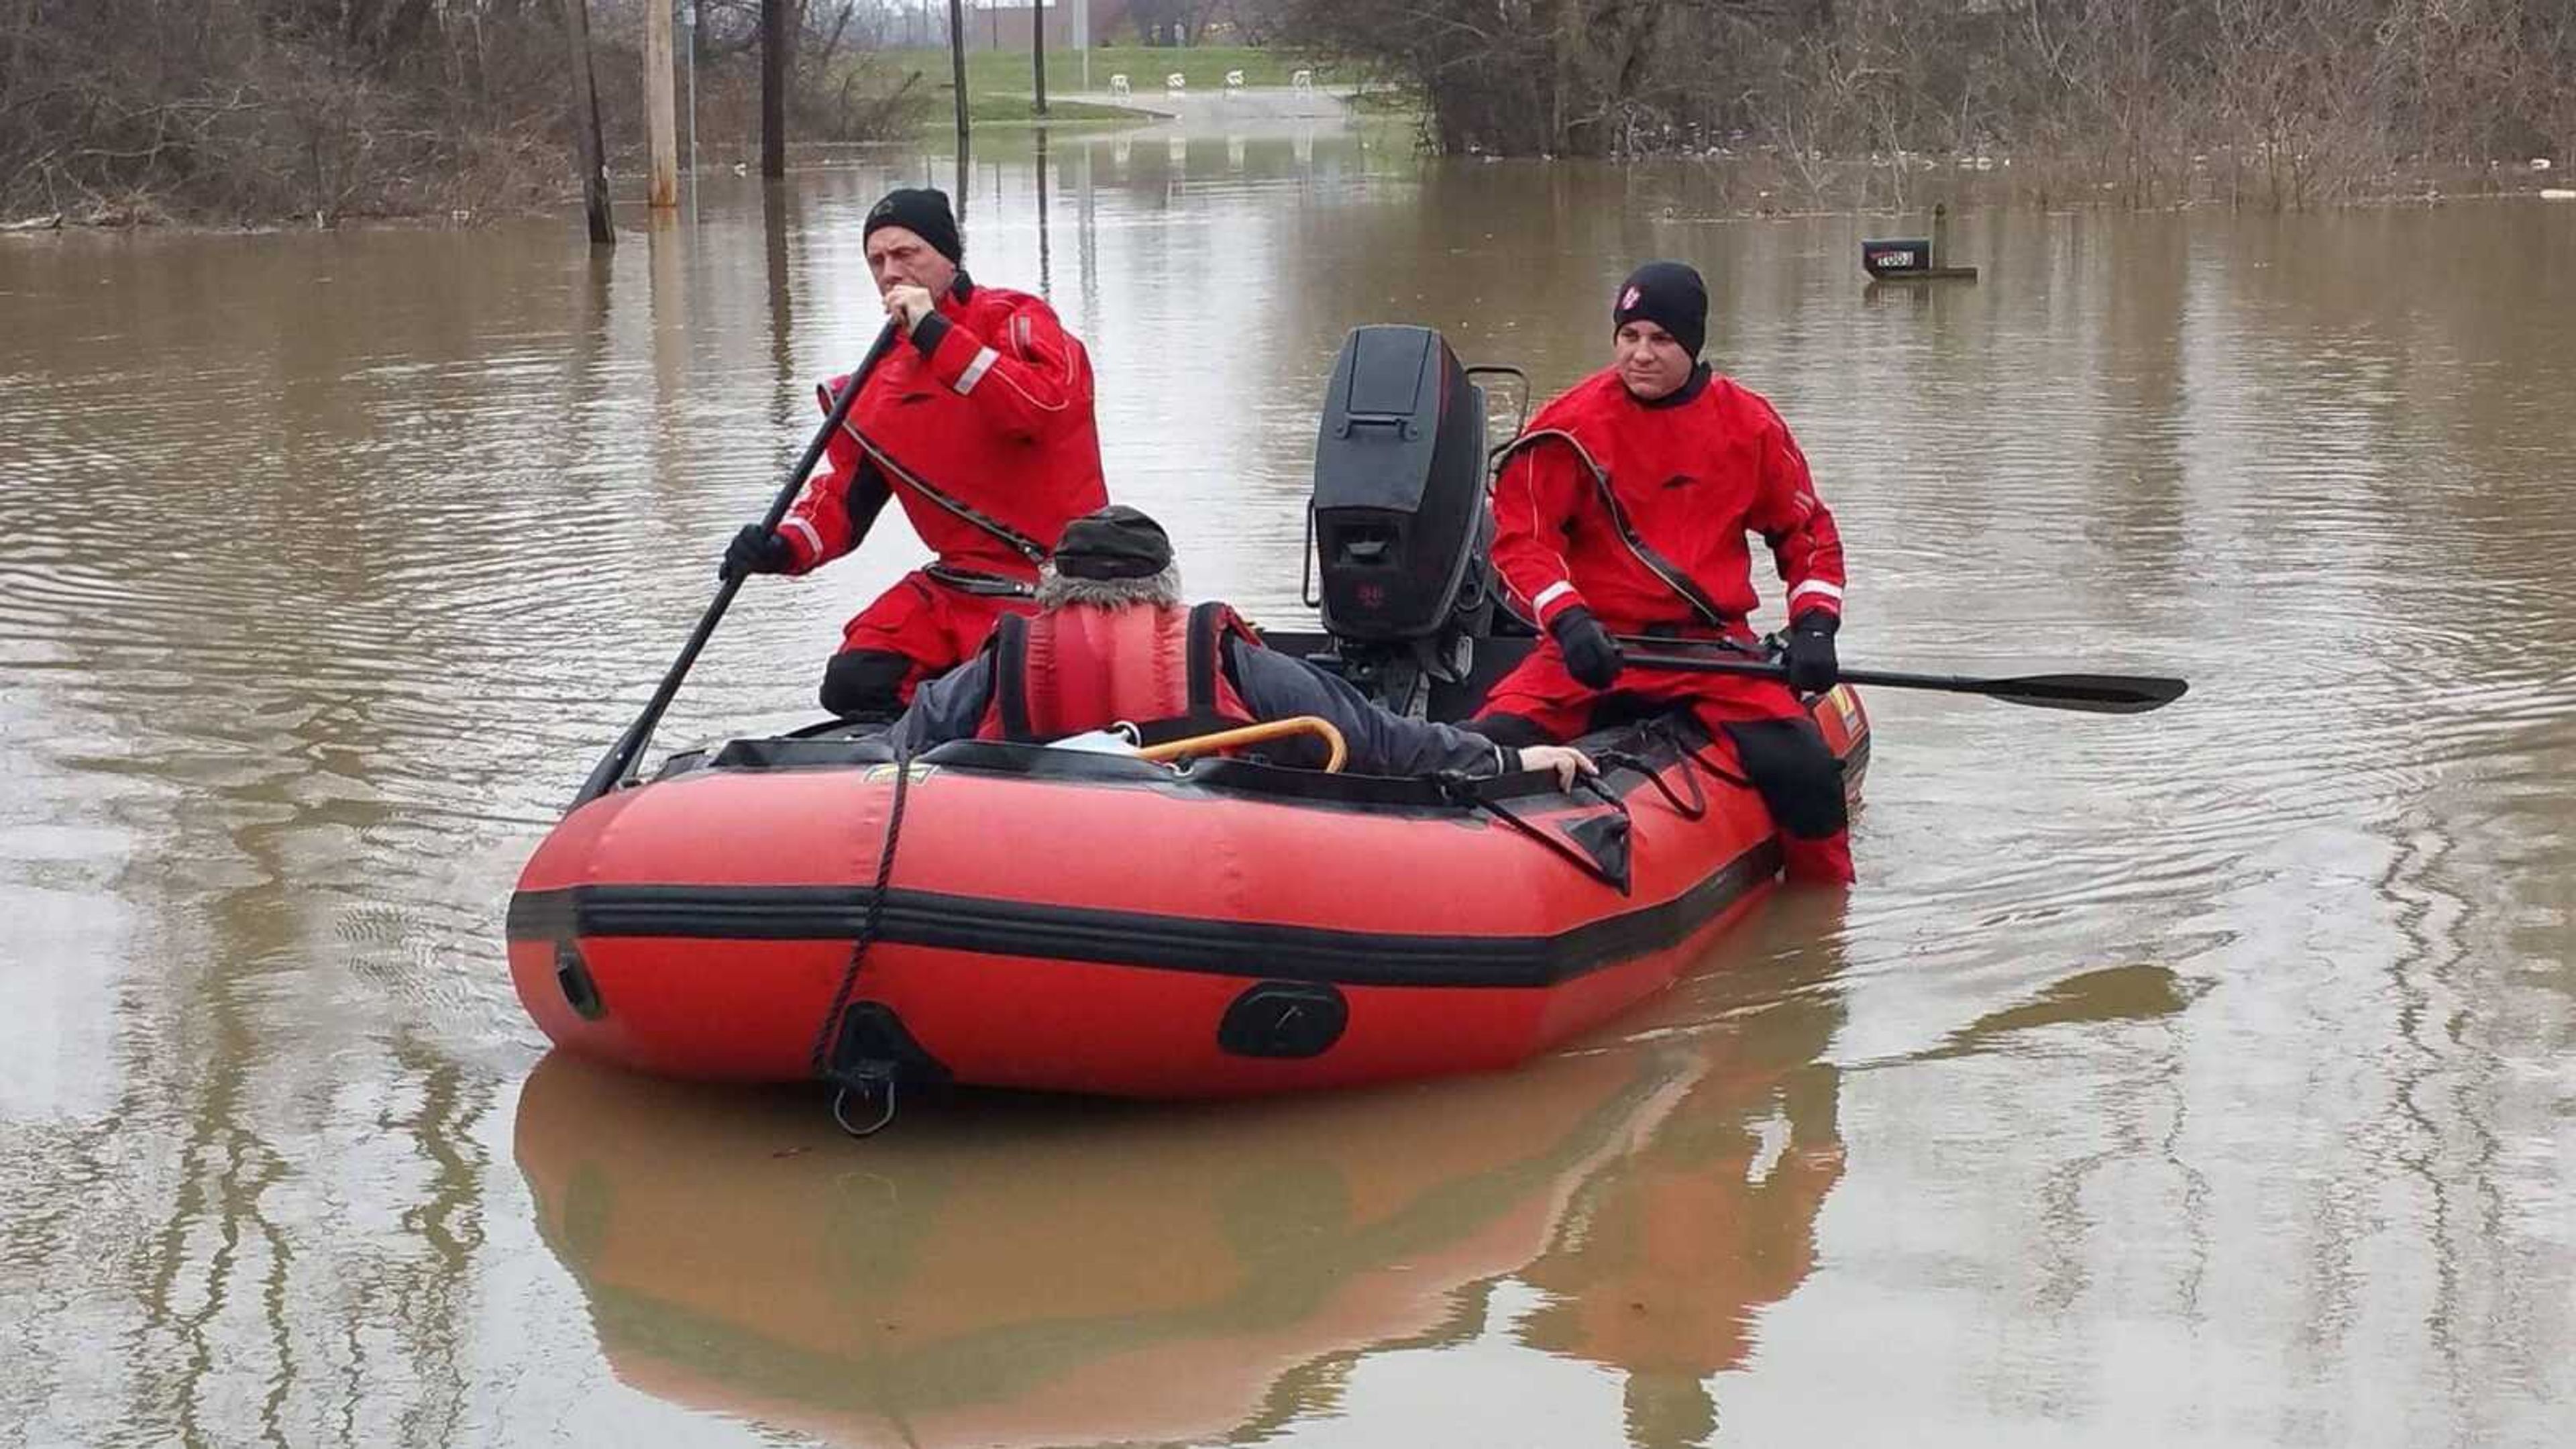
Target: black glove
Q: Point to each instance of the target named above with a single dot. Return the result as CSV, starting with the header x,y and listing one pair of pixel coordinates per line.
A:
x,y
1810,652
755,550
1591,655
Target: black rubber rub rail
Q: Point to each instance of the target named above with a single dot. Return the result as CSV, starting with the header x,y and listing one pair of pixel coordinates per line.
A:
x,y
1133,938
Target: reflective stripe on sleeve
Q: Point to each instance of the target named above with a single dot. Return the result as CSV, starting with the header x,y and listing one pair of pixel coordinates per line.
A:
x,y
974,372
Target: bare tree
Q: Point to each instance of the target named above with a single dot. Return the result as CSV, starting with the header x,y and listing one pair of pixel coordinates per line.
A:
x,y
2295,101
321,110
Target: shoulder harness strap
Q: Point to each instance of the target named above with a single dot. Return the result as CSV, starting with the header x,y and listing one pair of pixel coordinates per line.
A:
x,y
1211,624
1208,629
1020,543
1010,648
1656,564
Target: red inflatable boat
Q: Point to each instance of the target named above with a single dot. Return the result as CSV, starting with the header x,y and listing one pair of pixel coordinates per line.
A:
x,y
1099,923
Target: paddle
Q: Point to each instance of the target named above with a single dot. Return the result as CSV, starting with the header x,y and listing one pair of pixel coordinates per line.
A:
x,y
621,757
2085,693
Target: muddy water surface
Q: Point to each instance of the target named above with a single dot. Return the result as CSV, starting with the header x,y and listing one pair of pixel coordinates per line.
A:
x,y
2204,1077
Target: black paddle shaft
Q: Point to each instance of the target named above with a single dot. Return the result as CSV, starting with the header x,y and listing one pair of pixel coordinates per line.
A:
x,y
2085,693
621,757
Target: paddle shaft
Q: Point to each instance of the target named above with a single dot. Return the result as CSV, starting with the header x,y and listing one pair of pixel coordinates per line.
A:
x,y
621,757
2088,693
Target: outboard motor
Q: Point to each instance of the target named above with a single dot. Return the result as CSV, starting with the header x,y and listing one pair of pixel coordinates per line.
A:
x,y
1401,528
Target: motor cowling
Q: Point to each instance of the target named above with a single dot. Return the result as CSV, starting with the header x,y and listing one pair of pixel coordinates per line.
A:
x,y
1402,531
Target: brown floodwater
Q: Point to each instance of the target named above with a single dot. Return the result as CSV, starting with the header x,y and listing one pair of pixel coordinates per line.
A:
x,y
2201,1077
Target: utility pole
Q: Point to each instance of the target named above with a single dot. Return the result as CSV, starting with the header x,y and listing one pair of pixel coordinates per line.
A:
x,y
1037,47
661,126
957,66
585,125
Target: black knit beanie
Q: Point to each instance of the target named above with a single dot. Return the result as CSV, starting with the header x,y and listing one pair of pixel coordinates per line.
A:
x,y
923,211
1670,295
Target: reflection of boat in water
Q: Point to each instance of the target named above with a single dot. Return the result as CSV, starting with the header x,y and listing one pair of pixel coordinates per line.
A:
x,y
1711,1220
1045,1271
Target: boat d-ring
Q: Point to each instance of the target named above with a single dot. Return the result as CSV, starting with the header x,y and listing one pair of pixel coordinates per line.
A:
x,y
860,1086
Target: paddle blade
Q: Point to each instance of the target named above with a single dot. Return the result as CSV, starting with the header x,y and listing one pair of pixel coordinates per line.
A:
x,y
2088,693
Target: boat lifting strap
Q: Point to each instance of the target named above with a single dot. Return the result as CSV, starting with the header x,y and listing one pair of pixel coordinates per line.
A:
x,y
1621,759
1603,838
1672,736
845,1070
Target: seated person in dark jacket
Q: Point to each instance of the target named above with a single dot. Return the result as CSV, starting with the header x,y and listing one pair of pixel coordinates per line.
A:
x,y
1111,643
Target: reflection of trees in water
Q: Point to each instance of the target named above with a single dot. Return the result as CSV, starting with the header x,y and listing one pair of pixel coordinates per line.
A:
x,y
2138,512
2449,389
286,1197
240,1301
2426,501
778,221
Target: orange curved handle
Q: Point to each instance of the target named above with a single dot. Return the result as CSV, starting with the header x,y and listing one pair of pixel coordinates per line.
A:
x,y
1336,749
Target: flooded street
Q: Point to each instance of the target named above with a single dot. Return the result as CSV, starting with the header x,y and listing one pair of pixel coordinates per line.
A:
x,y
2204,1077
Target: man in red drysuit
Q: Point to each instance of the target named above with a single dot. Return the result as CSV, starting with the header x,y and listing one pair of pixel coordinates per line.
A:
x,y
1624,510
981,425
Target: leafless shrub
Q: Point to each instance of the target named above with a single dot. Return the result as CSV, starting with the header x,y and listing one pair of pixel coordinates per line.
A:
x,y
317,111
2275,102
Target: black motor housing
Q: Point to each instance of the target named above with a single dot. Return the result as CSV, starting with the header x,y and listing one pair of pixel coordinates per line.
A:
x,y
1401,526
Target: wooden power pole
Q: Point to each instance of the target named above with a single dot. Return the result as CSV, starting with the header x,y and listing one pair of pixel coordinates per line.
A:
x,y
1037,48
661,121
585,126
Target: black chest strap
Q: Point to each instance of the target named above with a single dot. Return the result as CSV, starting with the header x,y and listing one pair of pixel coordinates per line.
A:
x,y
1663,568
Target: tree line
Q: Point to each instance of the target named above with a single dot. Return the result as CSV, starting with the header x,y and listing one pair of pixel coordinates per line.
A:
x,y
2290,101
321,110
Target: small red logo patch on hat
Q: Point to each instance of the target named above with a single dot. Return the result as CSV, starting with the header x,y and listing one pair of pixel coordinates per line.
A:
x,y
1627,299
